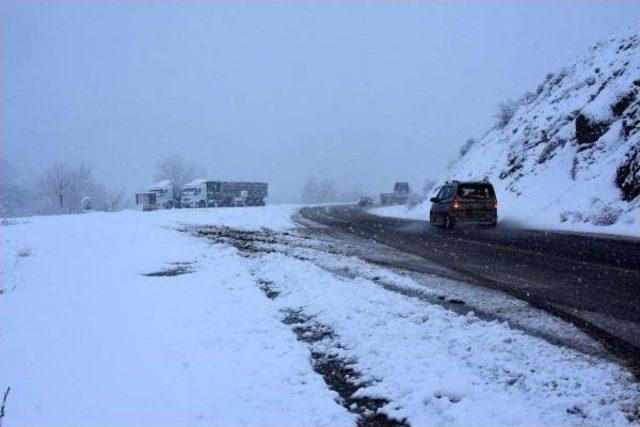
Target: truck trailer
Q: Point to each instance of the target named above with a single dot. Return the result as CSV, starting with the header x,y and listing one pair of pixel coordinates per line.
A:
x,y
205,193
400,195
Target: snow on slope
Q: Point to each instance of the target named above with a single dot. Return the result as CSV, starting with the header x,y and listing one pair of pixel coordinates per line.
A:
x,y
570,152
87,339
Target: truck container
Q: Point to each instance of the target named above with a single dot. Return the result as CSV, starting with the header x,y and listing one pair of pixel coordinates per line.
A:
x,y
400,195
205,193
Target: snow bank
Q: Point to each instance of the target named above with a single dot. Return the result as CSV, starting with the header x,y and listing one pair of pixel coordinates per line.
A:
x,y
510,212
276,217
420,211
437,367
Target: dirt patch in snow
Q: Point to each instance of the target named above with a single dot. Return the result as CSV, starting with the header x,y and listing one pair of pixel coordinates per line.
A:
x,y
340,374
176,269
245,241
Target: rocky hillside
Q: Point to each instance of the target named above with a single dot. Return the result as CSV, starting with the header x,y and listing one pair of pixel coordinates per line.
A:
x,y
568,153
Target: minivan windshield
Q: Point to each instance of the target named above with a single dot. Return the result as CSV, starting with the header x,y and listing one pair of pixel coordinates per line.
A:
x,y
476,191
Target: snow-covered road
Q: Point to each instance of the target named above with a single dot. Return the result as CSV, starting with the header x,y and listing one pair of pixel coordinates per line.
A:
x,y
237,316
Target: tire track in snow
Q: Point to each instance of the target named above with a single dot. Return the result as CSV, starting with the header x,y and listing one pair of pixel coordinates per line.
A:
x,y
340,374
257,244
303,247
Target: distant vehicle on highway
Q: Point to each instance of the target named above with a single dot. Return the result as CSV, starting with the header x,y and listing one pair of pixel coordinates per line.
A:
x,y
400,195
202,193
464,202
365,201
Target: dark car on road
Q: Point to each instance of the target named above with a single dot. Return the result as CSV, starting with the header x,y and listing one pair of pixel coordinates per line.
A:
x,y
464,202
365,201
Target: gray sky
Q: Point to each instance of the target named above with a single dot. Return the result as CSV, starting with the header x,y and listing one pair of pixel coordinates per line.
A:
x,y
365,93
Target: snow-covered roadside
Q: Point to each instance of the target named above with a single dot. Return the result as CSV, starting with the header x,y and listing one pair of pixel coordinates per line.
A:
x,y
512,212
437,367
86,339
420,211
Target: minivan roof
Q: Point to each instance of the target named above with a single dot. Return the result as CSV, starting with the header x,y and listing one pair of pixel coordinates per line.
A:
x,y
468,182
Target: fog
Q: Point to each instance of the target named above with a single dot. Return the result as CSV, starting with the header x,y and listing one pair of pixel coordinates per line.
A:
x,y
364,94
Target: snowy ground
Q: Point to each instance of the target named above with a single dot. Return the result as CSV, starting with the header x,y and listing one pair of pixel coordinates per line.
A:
x,y
514,212
420,211
235,316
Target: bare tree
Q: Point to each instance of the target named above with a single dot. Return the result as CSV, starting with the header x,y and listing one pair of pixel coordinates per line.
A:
x,y
506,110
63,188
57,185
4,404
82,184
104,198
177,170
466,146
114,200
60,189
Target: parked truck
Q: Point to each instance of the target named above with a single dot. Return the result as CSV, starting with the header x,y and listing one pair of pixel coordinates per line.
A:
x,y
158,196
400,195
205,193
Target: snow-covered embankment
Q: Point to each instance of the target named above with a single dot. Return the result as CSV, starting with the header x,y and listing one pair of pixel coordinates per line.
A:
x,y
113,319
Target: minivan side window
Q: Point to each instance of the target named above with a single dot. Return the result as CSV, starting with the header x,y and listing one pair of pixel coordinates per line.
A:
x,y
448,192
440,194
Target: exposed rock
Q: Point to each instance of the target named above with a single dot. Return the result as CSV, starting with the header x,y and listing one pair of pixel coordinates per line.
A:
x,y
628,175
588,130
623,103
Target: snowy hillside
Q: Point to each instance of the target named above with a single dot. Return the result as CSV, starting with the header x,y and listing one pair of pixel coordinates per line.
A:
x,y
567,154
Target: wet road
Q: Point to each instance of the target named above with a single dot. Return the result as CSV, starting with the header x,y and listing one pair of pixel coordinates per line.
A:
x,y
591,281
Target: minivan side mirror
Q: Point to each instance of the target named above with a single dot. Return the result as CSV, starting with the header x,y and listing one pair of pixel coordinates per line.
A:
x,y
434,200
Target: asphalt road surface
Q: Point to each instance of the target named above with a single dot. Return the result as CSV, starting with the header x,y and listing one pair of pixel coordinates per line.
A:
x,y
592,281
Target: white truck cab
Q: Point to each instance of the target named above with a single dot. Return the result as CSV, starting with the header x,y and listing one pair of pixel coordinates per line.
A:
x,y
163,191
194,194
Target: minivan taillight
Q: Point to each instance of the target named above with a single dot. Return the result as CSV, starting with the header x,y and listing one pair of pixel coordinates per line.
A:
x,y
456,203
495,205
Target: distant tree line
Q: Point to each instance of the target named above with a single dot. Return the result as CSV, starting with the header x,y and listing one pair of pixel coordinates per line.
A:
x,y
60,189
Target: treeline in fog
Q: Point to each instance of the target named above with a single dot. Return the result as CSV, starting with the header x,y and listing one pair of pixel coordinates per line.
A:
x,y
61,188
